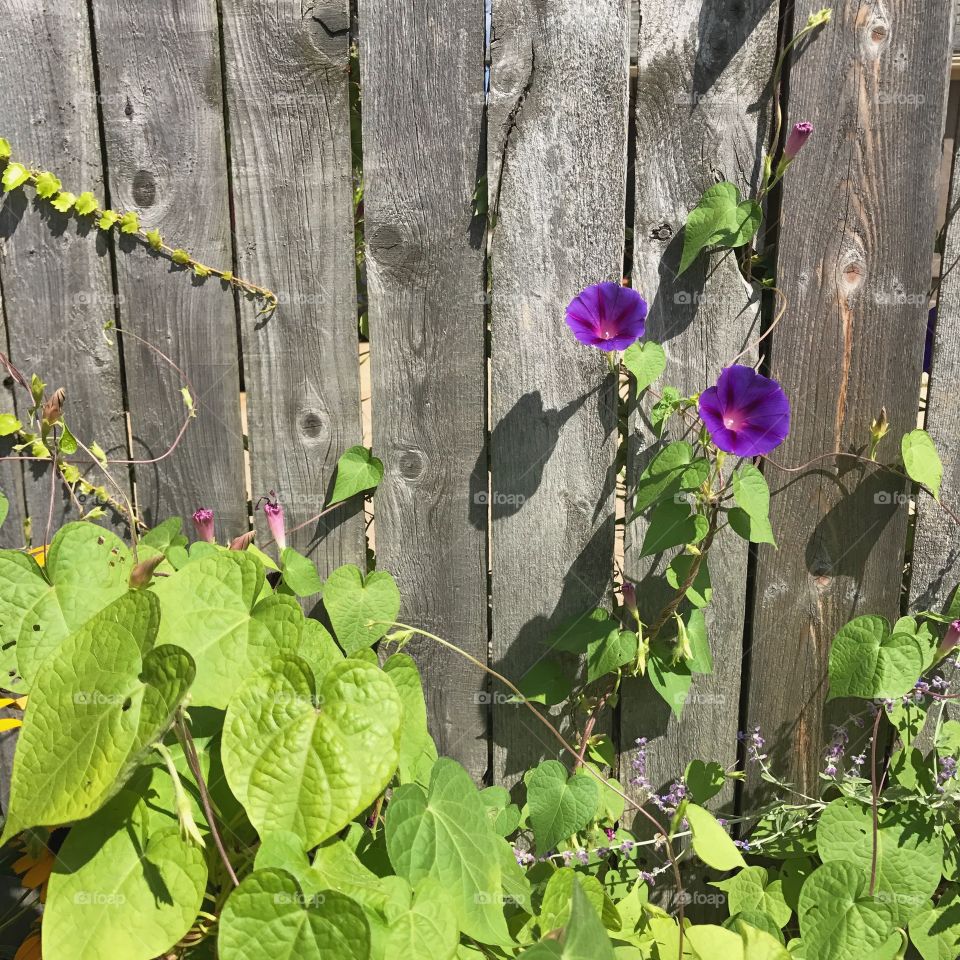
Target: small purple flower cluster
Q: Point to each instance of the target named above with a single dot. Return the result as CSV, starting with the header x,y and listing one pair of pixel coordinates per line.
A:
x,y
835,752
755,743
667,802
947,771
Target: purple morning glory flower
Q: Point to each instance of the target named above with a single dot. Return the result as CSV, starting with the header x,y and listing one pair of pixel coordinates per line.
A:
x,y
203,521
607,316
799,135
273,510
746,413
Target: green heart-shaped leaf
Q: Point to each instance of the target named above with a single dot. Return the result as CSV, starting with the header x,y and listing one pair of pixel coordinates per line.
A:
x,y
98,703
309,759
121,887
711,843
867,661
922,461
360,609
212,608
86,568
559,807
269,914
646,362
357,470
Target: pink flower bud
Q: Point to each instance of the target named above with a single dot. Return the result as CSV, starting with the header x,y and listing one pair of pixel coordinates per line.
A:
x,y
274,513
950,640
799,135
629,592
243,541
203,521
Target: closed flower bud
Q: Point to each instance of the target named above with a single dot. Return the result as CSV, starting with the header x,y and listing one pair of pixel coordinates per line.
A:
x,y
142,573
798,138
950,640
53,408
274,513
243,541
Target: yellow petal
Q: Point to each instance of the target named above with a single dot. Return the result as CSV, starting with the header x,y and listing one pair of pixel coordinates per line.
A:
x,y
10,723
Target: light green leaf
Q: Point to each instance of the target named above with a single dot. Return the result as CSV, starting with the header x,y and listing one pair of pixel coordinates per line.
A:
x,y
662,476
584,937
299,573
753,530
909,852
107,219
935,932
46,185
838,920
546,682
704,781
671,680
210,607
751,492
87,568
86,204
672,525
154,239
418,752
270,911
129,222
99,701
711,843
720,218
867,661
752,890
646,361
922,461
556,907
14,175
357,470
308,759
700,592
611,652
446,834
702,659
67,442
360,608
121,887
4,149
9,424
64,201
559,807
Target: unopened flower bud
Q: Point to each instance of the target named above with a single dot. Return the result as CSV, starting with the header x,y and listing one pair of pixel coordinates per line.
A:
x,y
878,430
799,135
203,521
819,18
950,640
274,513
142,573
629,592
53,408
243,541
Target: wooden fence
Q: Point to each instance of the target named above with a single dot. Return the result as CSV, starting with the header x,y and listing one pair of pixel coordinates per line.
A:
x,y
228,125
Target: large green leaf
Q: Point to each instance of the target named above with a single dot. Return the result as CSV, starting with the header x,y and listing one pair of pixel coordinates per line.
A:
x,y
662,476
867,661
98,703
909,852
672,524
122,886
559,806
922,461
838,919
711,843
751,889
720,218
86,568
211,608
445,833
360,608
935,932
308,759
418,752
557,903
270,915
646,361
583,938
751,492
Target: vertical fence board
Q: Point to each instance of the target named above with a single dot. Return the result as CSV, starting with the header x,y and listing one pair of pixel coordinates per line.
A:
x,y
855,244
701,114
289,115
11,485
422,78
558,122
162,106
54,269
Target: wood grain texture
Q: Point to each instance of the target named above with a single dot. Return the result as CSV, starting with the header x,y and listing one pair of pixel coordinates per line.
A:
x,y
422,67
557,169
855,242
162,104
11,471
55,270
289,115
702,76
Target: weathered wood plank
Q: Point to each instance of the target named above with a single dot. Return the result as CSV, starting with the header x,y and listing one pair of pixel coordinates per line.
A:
x,y
422,77
935,565
855,244
558,119
56,276
287,90
694,124
162,104
11,473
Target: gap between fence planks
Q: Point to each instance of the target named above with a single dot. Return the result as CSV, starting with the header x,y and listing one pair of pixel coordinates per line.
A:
x,y
557,174
422,69
162,104
854,263
54,271
287,82
713,94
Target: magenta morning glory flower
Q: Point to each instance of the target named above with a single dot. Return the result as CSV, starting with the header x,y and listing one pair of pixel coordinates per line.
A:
x,y
607,316
203,521
274,513
746,413
799,135
950,641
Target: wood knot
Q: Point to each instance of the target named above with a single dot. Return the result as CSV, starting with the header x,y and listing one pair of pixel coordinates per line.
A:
x,y
394,247
853,275
144,188
663,233
312,424
411,464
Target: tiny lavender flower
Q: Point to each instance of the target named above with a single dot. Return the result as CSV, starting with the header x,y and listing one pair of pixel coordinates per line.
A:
x,y
947,771
203,521
835,751
608,316
639,764
746,413
799,135
755,744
